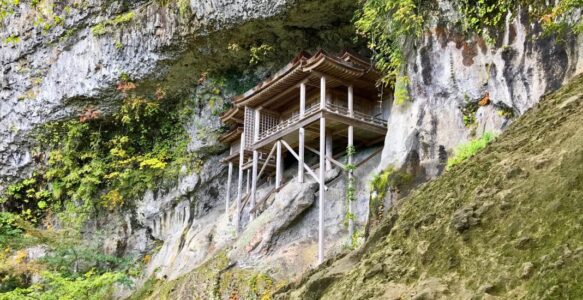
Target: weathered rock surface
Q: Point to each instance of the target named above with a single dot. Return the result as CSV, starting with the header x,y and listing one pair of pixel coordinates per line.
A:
x,y
56,73
515,250
447,71
190,222
57,69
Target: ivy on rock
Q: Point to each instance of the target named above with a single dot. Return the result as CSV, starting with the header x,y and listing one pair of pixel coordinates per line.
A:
x,y
392,27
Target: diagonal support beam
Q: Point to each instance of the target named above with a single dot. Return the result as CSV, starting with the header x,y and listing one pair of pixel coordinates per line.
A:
x,y
267,161
310,171
340,165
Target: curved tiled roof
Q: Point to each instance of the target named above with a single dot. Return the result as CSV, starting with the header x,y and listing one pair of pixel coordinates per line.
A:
x,y
346,66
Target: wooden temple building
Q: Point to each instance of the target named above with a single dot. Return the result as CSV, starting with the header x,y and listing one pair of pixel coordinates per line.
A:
x,y
317,103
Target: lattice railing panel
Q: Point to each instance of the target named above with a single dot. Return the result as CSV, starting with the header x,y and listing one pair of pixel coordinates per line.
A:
x,y
267,121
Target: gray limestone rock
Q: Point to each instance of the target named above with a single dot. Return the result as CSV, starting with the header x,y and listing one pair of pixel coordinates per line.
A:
x,y
446,70
57,69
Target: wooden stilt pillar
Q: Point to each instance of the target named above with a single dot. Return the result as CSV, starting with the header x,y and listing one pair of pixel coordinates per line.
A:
x,y
254,182
278,166
322,191
240,183
228,192
322,172
350,160
301,156
255,161
302,133
248,180
322,92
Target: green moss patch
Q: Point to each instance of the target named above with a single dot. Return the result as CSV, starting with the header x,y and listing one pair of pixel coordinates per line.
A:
x,y
218,278
506,222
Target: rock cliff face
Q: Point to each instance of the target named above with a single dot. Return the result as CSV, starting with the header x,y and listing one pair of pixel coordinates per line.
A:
x,y
459,87
450,73
191,223
503,225
58,57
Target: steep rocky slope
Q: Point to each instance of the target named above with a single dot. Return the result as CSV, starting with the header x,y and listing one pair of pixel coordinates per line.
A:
x,y
505,224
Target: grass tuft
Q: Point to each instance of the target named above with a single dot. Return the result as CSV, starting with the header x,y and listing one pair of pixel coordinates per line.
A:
x,y
470,149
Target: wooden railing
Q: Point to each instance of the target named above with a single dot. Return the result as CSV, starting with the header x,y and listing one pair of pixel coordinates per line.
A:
x,y
314,108
341,110
289,122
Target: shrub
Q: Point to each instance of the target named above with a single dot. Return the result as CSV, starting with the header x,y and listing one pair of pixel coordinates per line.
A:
x,y
9,229
389,25
56,286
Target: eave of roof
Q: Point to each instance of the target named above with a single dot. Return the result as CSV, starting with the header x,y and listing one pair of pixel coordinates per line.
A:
x,y
232,116
346,66
231,135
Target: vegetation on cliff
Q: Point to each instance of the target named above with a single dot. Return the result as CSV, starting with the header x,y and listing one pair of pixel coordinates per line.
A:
x,y
392,27
218,278
506,222
101,163
94,163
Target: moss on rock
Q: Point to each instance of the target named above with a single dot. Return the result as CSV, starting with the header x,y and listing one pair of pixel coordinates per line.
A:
x,y
218,278
506,222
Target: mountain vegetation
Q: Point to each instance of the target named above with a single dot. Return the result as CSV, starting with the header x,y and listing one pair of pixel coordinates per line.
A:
x,y
504,219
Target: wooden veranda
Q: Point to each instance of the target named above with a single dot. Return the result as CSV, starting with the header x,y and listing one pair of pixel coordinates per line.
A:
x,y
321,103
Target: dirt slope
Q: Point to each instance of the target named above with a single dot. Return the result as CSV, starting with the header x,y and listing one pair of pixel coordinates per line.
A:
x,y
506,224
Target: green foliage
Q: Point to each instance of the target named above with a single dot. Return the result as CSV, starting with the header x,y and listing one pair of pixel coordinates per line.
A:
x,y
481,15
350,197
57,286
350,150
260,285
350,183
260,53
8,7
98,162
210,94
108,162
108,25
470,149
70,263
183,7
402,90
9,229
357,239
12,40
380,185
27,198
392,26
559,19
72,259
124,77
389,25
